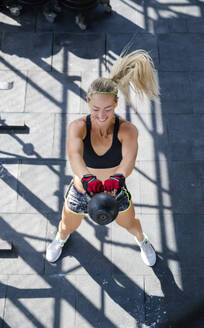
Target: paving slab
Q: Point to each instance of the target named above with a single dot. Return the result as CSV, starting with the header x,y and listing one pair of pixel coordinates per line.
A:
x,y
175,92
178,25
44,193
116,43
40,301
73,50
176,55
152,136
175,9
160,26
24,22
13,99
124,14
164,25
138,105
167,301
27,233
155,187
26,50
196,25
187,187
8,186
3,287
88,251
53,92
184,9
185,141
5,246
37,143
109,301
191,259
197,85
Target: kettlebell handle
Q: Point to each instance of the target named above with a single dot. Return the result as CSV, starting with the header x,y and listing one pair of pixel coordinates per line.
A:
x,y
118,197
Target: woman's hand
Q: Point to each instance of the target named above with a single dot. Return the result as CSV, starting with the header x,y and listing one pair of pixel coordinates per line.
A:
x,y
91,184
115,182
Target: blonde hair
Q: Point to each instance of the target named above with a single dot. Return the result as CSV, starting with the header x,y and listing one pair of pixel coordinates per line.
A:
x,y
135,70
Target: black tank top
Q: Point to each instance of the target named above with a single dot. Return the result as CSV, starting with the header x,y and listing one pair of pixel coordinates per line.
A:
x,y
111,158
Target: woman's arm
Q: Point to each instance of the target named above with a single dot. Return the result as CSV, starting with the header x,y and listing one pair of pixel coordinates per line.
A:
x,y
75,147
128,136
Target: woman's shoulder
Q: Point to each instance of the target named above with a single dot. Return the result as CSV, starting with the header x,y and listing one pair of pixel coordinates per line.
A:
x,y
78,126
78,123
127,128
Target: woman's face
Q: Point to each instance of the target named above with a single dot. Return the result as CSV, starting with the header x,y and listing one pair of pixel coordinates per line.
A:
x,y
102,108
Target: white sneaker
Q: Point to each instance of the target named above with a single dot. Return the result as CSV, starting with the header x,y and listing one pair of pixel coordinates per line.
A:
x,y
54,250
80,21
147,252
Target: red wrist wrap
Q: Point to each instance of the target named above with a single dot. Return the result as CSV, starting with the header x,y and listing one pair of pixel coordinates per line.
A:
x,y
114,182
92,184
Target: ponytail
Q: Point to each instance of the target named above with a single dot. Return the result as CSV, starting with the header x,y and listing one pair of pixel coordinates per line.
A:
x,y
135,70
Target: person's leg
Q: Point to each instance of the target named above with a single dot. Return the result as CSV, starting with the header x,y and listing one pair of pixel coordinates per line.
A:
x,y
13,6
81,19
50,10
69,222
106,5
128,220
75,206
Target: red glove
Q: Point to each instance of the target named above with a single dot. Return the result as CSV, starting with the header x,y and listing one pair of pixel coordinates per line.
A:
x,y
92,184
116,181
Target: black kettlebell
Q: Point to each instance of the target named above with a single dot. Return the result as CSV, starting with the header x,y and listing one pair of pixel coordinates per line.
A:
x,y
103,208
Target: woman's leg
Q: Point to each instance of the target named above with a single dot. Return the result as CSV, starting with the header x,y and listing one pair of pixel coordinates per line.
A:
x,y
132,224
69,222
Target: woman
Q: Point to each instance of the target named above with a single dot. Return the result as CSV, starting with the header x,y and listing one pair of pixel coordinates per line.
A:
x,y
102,150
